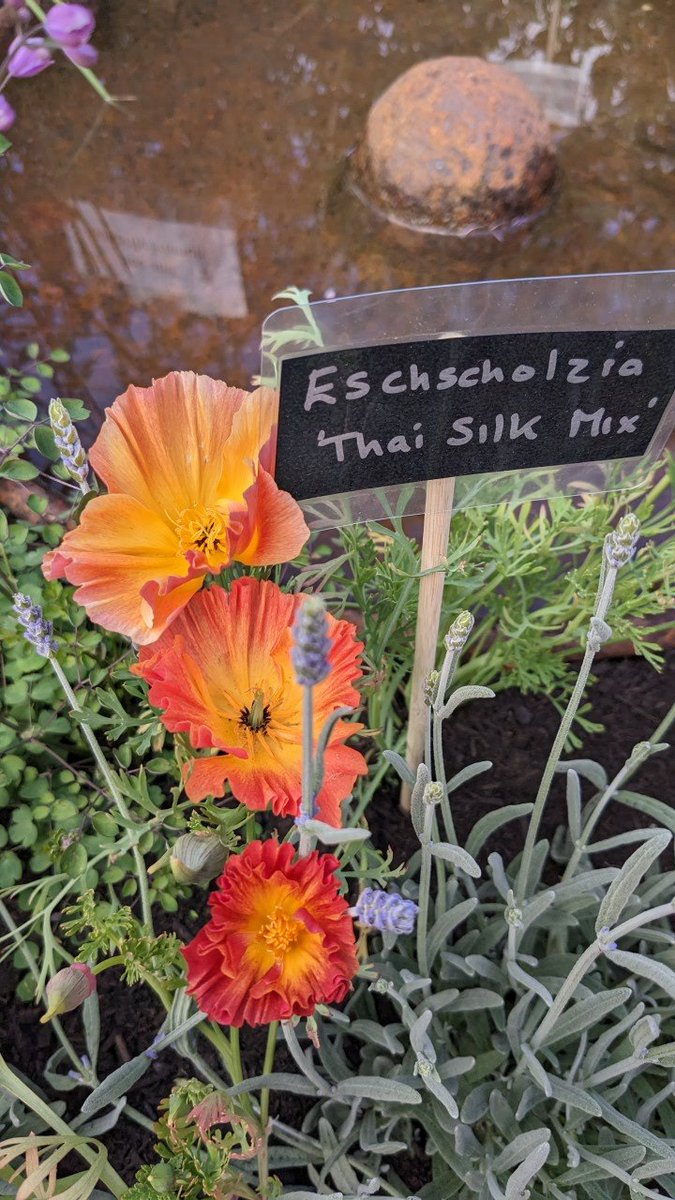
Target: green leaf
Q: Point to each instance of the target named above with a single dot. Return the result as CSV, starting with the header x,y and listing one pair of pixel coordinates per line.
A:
x,y
518,1150
30,384
576,1097
44,370
10,290
620,891
37,504
116,1085
17,406
373,1087
4,526
105,825
585,1013
457,856
516,1186
656,809
17,468
400,766
331,836
8,260
60,356
493,821
443,927
10,868
648,968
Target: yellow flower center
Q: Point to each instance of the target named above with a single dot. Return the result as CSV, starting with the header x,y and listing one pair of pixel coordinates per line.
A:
x,y
204,530
279,932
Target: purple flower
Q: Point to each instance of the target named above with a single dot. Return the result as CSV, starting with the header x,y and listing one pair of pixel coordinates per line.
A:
x,y
7,115
311,643
28,57
70,25
36,630
386,911
82,56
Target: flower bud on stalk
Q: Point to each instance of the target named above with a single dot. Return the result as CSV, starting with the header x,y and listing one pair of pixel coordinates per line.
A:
x,y
431,687
459,631
311,643
385,911
27,57
197,858
36,629
68,443
620,544
68,990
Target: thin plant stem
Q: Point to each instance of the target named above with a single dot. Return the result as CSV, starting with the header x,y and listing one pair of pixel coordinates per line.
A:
x,y
113,789
236,1069
585,962
307,765
265,1105
601,609
423,899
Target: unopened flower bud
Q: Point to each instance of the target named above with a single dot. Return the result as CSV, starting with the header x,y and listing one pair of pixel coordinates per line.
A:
x,y
161,1178
197,858
68,990
620,544
459,631
432,794
311,643
68,443
431,687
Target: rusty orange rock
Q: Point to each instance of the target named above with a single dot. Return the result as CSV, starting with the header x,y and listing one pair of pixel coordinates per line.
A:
x,y
456,144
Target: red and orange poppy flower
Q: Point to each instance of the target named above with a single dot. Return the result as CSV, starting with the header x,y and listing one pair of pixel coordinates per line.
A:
x,y
223,674
279,942
187,466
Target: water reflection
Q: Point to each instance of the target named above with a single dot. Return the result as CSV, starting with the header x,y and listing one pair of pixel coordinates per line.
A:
x,y
195,265
158,235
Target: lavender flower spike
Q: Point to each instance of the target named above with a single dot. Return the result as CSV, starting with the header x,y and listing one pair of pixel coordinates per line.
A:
x,y
386,911
620,544
36,629
68,443
311,643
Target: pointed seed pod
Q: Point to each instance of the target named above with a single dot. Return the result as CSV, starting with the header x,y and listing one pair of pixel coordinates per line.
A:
x,y
197,858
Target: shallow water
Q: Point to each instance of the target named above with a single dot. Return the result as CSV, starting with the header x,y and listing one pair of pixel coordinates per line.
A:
x,y
158,234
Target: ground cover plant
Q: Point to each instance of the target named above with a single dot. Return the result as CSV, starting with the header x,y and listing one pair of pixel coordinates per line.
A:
x,y
514,1018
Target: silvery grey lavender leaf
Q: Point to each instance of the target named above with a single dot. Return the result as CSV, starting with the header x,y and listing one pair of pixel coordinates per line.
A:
x,y
386,911
311,643
68,443
620,544
36,629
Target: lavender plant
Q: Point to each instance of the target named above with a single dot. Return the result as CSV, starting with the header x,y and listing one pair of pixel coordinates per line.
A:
x,y
515,1020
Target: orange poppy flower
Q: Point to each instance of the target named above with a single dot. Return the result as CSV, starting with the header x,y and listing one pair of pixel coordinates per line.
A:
x,y
223,674
279,942
187,466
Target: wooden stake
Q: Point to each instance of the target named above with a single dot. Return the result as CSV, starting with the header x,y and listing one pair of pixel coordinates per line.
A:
x,y
435,539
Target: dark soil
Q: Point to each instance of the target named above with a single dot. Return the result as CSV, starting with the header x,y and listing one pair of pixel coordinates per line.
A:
x,y
515,733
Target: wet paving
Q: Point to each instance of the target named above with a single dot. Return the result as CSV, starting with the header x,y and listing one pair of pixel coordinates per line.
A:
x,y
159,231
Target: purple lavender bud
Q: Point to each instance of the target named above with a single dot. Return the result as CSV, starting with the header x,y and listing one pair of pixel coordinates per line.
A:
x,y
68,443
7,115
82,56
311,643
27,58
70,24
151,1053
620,544
386,911
36,629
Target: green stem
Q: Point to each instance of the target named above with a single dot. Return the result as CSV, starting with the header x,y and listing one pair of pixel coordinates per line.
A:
x,y
236,1069
307,808
602,606
91,78
268,1066
423,898
111,785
